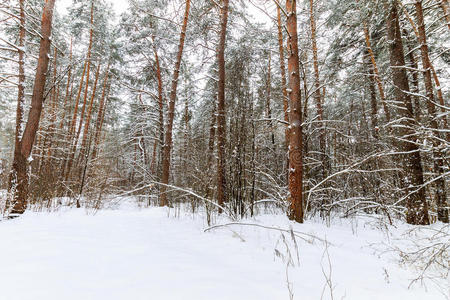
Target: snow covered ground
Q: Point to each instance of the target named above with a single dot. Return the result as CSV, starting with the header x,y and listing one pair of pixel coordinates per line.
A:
x,y
150,253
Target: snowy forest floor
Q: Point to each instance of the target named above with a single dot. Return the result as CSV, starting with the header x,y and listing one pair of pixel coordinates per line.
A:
x,y
162,253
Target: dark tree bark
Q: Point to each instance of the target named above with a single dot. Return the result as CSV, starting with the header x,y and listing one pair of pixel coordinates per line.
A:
x,y
221,120
417,208
296,136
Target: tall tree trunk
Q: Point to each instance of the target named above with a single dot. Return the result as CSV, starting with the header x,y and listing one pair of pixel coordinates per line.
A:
x,y
89,115
417,208
433,71
83,109
296,136
221,120
171,111
438,161
13,176
161,101
317,96
268,100
18,184
283,83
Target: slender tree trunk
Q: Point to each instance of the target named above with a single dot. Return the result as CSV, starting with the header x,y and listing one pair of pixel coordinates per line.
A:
x,y
317,96
83,109
417,208
221,120
161,101
414,82
268,100
14,180
296,136
433,71
377,73
283,84
68,88
19,182
444,6
212,136
171,111
100,115
438,161
89,115
153,163
373,96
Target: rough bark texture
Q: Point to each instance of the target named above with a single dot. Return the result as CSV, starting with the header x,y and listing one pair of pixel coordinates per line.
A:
x,y
417,208
171,111
438,161
295,138
19,182
221,121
